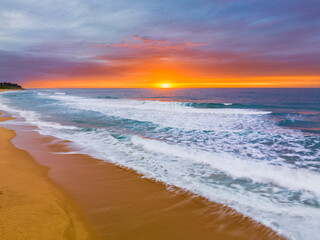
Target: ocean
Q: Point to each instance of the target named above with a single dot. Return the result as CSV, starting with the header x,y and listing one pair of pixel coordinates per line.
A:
x,y
255,150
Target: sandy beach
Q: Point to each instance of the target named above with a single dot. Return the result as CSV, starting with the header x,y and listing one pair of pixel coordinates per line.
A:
x,y
31,206
117,202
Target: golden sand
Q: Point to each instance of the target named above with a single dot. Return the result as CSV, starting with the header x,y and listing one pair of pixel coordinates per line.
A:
x,y
31,206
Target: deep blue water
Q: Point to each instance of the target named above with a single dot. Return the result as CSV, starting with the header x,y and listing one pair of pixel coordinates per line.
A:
x,y
256,150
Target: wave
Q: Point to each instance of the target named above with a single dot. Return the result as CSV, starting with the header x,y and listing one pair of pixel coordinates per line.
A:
x,y
108,97
256,171
212,105
33,118
166,114
162,105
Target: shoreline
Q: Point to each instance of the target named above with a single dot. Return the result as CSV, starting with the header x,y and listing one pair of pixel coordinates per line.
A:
x,y
121,204
31,206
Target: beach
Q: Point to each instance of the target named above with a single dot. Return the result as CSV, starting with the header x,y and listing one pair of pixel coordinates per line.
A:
x,y
31,205
50,192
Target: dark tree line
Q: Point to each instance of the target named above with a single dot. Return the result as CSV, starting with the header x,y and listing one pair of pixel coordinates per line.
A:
x,y
7,85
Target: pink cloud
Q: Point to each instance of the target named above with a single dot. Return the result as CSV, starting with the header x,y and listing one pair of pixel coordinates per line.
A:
x,y
145,43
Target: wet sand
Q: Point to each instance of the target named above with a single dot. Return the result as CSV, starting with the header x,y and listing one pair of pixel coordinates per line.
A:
x,y
121,204
31,205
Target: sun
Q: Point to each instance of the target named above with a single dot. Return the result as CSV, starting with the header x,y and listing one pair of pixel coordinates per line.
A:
x,y
165,85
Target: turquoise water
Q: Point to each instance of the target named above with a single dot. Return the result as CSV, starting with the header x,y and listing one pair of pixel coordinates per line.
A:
x,y
256,150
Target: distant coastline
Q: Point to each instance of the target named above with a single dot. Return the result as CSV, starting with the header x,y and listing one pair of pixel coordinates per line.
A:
x,y
7,85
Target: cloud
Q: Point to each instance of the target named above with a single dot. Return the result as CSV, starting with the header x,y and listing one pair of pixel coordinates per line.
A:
x,y
142,40
147,43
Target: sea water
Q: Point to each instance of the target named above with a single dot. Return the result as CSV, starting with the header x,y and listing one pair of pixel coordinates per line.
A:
x,y
255,150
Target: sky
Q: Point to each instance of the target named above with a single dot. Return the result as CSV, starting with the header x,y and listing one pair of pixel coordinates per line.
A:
x,y
187,43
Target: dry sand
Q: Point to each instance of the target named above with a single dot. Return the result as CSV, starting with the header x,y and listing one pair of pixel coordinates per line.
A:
x,y
31,206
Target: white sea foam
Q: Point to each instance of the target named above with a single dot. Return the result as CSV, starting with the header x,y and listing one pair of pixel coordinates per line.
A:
x,y
257,171
177,107
32,117
168,114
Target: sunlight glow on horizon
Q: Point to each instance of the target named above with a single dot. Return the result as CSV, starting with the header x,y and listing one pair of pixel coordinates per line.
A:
x,y
188,82
165,85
